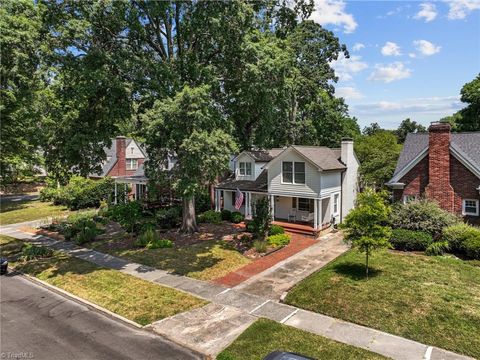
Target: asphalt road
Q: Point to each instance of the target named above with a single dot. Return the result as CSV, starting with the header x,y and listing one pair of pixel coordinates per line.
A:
x,y
37,323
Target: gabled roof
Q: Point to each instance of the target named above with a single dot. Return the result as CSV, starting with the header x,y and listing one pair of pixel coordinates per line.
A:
x,y
321,157
466,145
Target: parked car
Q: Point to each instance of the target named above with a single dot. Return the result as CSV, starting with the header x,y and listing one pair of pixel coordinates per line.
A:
x,y
283,355
3,266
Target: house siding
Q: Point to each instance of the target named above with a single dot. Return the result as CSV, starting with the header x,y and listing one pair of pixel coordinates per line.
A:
x,y
311,188
244,158
330,182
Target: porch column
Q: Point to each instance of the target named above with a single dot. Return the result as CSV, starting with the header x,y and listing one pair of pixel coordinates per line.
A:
x,y
248,205
125,187
272,206
315,214
320,215
115,198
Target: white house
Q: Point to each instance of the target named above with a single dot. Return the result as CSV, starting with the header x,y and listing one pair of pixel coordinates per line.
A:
x,y
310,185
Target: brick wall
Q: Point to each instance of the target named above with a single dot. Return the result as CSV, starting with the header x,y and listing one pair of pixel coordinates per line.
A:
x,y
439,187
415,181
464,184
119,169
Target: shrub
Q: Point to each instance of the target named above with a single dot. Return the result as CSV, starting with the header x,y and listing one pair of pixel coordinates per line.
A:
x,y
250,227
459,235
237,217
211,217
169,217
276,230
262,218
160,244
128,215
226,215
437,248
260,246
203,201
30,252
278,240
410,240
79,193
86,234
422,215
147,236
472,247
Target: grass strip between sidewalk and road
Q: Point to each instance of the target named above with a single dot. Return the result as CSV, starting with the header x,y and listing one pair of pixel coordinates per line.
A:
x,y
434,300
265,336
135,299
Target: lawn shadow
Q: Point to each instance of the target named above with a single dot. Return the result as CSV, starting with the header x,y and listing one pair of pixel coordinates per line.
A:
x,y
355,271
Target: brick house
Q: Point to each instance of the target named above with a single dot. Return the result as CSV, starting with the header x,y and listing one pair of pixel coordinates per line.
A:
x,y
442,166
124,162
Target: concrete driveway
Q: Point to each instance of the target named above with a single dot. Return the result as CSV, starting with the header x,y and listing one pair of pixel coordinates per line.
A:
x,y
37,323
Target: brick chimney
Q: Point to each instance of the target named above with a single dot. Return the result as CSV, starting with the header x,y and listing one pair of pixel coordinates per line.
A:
x,y
439,187
121,144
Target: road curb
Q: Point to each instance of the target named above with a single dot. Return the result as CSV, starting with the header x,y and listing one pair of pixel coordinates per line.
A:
x,y
81,300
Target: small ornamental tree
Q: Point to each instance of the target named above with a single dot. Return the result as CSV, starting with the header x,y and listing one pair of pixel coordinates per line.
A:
x,y
262,218
366,225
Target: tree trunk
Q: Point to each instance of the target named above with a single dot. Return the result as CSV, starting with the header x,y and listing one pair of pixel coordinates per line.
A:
x,y
366,264
189,223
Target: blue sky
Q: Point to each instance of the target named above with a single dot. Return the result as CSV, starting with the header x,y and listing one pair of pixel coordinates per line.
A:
x,y
407,58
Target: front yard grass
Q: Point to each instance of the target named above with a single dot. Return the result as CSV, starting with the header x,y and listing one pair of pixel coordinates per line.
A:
x,y
205,260
265,336
433,300
16,212
133,298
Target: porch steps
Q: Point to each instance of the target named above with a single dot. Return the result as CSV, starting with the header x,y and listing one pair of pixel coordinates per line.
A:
x,y
295,228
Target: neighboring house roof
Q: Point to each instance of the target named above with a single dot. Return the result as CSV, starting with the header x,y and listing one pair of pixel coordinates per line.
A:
x,y
260,184
467,145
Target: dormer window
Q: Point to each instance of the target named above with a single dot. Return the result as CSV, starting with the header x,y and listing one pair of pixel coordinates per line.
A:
x,y
245,168
293,172
131,164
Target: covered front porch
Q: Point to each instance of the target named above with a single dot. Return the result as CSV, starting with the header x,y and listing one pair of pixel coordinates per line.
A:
x,y
297,214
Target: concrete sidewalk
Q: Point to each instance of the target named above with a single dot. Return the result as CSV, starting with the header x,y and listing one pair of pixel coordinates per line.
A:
x,y
233,310
275,281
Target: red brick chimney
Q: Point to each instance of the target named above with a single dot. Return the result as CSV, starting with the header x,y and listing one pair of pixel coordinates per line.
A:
x,y
121,154
439,187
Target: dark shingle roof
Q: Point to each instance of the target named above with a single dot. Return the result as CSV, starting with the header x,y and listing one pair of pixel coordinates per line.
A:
x,y
263,155
260,184
467,143
324,157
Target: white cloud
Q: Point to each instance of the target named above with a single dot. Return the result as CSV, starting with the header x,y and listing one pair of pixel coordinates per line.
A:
x,y
345,68
333,12
412,55
348,92
391,49
426,48
390,72
430,105
428,12
358,46
459,9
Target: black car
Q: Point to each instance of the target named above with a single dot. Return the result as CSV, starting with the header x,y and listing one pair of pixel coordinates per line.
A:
x,y
283,355
3,266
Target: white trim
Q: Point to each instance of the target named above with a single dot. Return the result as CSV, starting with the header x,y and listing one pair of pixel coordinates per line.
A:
x,y
477,202
304,184
336,213
409,167
405,197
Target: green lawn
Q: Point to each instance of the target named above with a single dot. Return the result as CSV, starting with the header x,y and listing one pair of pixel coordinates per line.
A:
x,y
133,298
206,260
16,212
434,300
265,336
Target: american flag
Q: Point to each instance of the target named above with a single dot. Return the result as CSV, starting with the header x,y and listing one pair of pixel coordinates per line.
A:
x,y
238,199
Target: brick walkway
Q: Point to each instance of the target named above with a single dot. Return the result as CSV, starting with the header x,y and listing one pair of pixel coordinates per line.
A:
x,y
298,243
